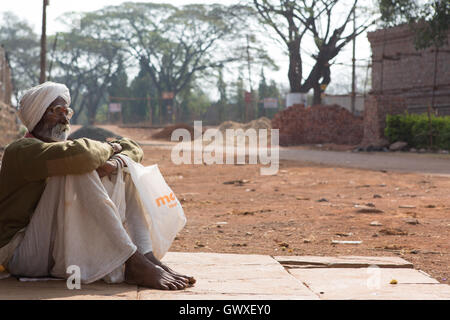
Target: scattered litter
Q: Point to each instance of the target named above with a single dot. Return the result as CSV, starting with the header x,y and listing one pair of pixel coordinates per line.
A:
x,y
345,242
375,224
199,245
430,206
239,245
393,281
393,247
237,182
407,207
302,198
243,213
342,234
370,204
283,244
412,221
221,223
306,241
393,232
412,214
369,210
414,251
322,200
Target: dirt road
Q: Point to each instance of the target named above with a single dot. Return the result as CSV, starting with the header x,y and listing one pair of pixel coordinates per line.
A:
x,y
303,208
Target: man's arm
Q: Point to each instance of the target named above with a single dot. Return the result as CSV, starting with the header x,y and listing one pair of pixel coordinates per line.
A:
x,y
40,160
130,149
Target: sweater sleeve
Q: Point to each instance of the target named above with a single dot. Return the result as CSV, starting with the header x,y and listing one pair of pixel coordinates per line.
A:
x,y
131,149
41,160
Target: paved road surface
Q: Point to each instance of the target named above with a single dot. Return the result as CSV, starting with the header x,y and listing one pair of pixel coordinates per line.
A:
x,y
402,162
399,161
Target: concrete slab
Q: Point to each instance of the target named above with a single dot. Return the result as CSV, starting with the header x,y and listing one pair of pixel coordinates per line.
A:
x,y
258,277
206,258
342,262
371,283
13,289
231,276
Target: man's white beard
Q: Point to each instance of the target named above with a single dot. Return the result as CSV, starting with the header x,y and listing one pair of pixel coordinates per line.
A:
x,y
58,133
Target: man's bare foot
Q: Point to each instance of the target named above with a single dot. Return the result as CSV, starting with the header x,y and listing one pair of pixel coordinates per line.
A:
x,y
139,270
151,257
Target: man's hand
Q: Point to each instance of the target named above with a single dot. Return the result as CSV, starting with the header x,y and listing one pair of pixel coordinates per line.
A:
x,y
109,168
116,147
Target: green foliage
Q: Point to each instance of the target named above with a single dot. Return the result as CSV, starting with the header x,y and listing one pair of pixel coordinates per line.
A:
x,y
430,20
22,46
267,91
414,129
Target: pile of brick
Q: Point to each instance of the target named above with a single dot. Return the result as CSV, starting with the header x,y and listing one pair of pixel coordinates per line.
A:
x,y
318,124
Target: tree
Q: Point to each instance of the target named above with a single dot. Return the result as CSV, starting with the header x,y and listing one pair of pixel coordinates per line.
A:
x,y
239,98
142,87
118,88
176,45
86,62
266,90
430,21
293,19
172,45
22,47
223,99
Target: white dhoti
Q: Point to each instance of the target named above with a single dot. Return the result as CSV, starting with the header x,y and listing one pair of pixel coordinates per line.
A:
x,y
77,224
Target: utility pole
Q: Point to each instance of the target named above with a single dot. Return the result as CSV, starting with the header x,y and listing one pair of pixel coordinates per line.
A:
x,y
44,41
354,64
250,82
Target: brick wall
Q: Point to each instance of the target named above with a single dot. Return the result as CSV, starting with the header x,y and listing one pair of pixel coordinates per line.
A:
x,y
375,110
405,71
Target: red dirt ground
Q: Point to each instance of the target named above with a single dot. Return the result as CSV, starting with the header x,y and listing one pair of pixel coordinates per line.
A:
x,y
281,214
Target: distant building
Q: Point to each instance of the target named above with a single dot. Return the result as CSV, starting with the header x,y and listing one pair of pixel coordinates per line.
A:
x,y
401,70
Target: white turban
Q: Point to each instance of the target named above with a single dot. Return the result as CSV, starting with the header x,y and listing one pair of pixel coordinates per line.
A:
x,y
36,100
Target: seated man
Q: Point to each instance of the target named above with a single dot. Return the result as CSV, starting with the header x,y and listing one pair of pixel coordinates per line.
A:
x,y
44,176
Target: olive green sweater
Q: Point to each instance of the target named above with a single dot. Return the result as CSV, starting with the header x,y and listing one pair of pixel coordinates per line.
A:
x,y
28,162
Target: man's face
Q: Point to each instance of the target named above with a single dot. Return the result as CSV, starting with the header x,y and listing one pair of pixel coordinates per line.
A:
x,y
54,125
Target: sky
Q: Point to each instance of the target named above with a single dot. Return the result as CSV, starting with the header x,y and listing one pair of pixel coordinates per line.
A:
x,y
31,10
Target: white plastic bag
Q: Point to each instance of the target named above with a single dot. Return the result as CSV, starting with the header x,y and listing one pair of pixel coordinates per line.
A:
x,y
164,213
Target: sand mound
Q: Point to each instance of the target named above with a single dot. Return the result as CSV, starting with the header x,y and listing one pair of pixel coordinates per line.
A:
x,y
166,133
94,133
261,123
